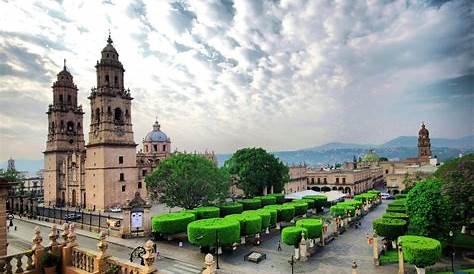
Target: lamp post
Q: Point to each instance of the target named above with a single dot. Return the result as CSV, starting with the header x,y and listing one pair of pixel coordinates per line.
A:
x,y
451,234
217,249
292,262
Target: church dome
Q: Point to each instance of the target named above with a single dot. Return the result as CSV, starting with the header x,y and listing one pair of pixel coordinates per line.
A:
x,y
371,156
156,135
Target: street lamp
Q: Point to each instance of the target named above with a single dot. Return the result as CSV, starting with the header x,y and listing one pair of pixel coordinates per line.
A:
x,y
292,262
217,249
451,234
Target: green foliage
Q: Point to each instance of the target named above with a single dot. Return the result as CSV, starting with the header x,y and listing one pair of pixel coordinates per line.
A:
x,y
373,191
250,204
291,235
420,251
399,209
171,223
366,197
254,169
399,202
112,269
273,214
280,198
428,209
188,181
390,257
193,211
400,196
395,215
250,224
263,214
389,228
341,210
207,212
230,208
457,177
267,200
353,203
50,259
11,175
314,227
310,202
319,200
300,207
285,213
203,232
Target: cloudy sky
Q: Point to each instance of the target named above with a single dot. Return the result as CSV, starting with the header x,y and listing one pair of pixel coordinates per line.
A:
x,y
226,74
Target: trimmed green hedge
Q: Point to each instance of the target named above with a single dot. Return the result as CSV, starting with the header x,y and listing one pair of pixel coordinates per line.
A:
x,y
171,223
193,211
340,210
267,200
395,215
250,204
397,210
389,228
365,197
373,191
230,208
285,213
314,227
319,200
399,202
207,212
300,207
203,232
310,202
291,235
264,216
273,214
420,251
353,203
400,196
280,198
250,224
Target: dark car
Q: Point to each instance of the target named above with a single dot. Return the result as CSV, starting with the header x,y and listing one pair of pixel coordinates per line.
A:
x,y
72,217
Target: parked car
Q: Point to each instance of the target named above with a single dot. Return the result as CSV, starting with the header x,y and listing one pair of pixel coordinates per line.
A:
x,y
72,217
386,196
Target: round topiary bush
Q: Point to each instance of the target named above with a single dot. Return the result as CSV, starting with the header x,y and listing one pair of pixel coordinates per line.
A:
x,y
267,200
250,204
353,203
319,200
207,212
250,224
300,207
193,211
340,210
273,214
389,228
394,215
203,232
171,223
291,235
420,251
263,214
310,202
230,208
280,198
399,202
373,191
314,227
400,196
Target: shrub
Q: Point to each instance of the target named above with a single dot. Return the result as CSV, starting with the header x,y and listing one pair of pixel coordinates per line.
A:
x,y
291,235
373,191
394,215
280,198
193,211
390,228
203,232
273,214
50,259
230,208
310,202
263,214
400,196
353,203
285,213
319,200
267,200
365,197
399,202
341,209
250,204
250,224
207,212
314,227
171,223
400,209
300,207
420,251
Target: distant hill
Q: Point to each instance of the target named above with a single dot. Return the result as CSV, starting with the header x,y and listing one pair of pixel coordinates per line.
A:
x,y
330,146
411,141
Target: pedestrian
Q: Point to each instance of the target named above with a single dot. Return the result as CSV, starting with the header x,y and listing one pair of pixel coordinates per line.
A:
x,y
279,245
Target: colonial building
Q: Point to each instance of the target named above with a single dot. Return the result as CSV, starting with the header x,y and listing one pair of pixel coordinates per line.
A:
x,y
298,179
108,170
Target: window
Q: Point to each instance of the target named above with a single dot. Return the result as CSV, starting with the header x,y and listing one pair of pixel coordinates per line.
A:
x,y
144,172
122,177
107,79
386,171
164,147
69,99
337,180
325,180
139,185
120,159
123,188
116,80
312,180
343,180
61,99
146,148
319,180
97,114
155,147
118,115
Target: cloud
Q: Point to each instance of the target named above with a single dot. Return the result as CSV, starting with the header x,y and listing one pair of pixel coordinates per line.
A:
x,y
223,74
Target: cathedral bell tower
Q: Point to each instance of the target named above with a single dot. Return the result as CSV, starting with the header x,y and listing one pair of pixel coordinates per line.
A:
x,y
65,136
424,145
111,173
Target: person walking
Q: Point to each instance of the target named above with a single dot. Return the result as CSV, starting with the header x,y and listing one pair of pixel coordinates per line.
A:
x,y
279,245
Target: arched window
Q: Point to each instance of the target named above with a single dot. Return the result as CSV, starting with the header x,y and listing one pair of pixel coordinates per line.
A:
x,y
118,115
62,125
69,99
97,114
107,80
60,98
78,125
116,80
146,148
70,127
164,147
155,147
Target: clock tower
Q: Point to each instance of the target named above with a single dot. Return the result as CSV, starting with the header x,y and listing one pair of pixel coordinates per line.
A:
x,y
111,172
424,144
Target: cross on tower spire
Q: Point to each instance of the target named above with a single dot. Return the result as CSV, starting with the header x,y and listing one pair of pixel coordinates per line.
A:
x,y
64,64
109,40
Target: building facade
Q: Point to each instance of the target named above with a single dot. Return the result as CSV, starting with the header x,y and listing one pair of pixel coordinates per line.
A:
x,y
298,179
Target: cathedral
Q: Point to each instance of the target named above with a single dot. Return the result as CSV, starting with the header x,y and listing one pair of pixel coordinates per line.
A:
x,y
106,171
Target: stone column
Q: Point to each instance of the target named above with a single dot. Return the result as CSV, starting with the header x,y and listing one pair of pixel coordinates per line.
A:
x,y
66,249
335,226
146,219
354,267
99,262
376,250
37,248
149,258
53,237
303,249
125,223
401,266
3,221
210,265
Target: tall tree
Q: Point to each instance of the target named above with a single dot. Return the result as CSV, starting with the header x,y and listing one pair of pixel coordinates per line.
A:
x,y
254,169
188,181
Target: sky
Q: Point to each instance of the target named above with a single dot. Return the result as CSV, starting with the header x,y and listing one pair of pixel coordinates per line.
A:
x,y
226,74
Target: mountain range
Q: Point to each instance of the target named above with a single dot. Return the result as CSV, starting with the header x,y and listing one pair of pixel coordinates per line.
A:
x,y
399,148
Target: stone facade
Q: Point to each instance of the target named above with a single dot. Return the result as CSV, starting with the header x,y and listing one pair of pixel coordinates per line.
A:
x,y
298,179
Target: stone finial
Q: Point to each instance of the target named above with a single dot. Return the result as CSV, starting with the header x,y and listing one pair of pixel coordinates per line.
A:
x,y
37,240
71,237
354,267
53,236
102,245
303,240
65,232
210,264
149,257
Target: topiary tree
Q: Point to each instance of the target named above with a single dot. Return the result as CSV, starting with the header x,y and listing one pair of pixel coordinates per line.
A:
x,y
250,204
280,198
310,202
394,215
250,224
313,226
267,200
207,212
300,207
203,232
341,210
320,201
389,228
285,213
400,196
264,216
397,209
273,214
291,235
420,251
230,208
353,203
171,223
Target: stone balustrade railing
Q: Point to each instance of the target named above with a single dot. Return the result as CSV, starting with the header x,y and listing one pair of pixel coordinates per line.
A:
x,y
18,263
83,259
